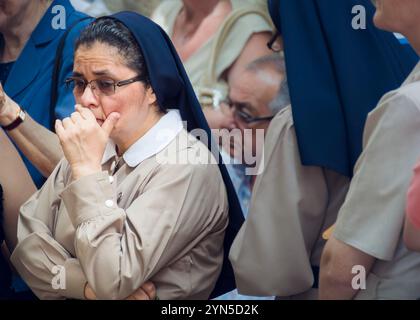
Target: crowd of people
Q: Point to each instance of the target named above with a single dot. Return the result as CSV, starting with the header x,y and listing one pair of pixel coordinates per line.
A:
x,y
220,149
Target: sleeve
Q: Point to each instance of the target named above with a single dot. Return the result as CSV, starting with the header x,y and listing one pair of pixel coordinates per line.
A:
x,y
271,253
371,218
120,249
48,269
413,198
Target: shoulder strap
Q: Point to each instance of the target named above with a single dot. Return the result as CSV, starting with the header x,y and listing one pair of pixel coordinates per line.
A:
x,y
210,75
57,69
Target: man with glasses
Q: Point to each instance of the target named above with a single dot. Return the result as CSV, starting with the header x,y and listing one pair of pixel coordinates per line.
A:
x,y
255,96
251,104
291,203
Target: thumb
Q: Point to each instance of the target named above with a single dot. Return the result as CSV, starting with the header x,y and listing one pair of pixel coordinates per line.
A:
x,y
110,122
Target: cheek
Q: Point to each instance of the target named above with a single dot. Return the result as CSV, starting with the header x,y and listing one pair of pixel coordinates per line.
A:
x,y
108,107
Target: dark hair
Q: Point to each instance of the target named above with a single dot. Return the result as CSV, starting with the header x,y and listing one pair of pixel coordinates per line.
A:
x,y
114,33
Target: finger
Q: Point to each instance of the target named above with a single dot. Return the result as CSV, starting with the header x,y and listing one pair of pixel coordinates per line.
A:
x,y
110,122
140,295
150,289
59,130
85,112
67,123
76,117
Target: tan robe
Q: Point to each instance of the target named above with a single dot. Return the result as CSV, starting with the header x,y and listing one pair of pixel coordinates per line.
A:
x,y
371,219
152,221
291,206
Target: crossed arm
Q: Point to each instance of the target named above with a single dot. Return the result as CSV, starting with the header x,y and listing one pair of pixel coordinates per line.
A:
x,y
337,263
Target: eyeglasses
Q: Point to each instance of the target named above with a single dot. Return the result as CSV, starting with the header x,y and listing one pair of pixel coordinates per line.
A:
x,y
273,44
106,87
243,116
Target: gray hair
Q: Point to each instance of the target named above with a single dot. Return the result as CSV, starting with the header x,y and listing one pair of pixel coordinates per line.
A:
x,y
282,98
274,62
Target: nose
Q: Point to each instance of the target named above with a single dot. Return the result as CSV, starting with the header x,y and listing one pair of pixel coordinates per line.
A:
x,y
228,115
88,98
230,120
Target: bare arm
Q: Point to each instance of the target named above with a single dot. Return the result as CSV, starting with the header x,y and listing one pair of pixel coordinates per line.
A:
x,y
411,235
337,262
17,187
37,143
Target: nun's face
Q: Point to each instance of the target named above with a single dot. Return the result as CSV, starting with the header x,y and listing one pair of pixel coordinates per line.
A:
x,y
134,102
397,15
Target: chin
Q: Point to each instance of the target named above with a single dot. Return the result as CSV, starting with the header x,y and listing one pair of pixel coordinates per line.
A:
x,y
380,22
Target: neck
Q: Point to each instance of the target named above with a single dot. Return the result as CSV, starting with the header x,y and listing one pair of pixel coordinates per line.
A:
x,y
196,10
413,36
152,118
18,32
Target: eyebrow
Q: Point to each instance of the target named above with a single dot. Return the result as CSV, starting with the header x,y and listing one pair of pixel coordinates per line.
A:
x,y
245,105
102,73
96,73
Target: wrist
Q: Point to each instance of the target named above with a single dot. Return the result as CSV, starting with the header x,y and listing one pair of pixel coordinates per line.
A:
x,y
9,114
83,171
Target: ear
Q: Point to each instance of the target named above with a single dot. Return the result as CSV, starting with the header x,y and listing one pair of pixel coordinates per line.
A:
x,y
151,96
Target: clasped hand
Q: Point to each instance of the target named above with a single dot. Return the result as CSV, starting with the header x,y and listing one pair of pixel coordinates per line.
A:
x,y
83,140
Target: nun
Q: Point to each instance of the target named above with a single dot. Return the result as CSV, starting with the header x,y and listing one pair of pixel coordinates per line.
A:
x,y
118,210
336,75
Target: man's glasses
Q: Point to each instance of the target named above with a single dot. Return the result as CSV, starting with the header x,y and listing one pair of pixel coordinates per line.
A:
x,y
273,44
243,116
104,87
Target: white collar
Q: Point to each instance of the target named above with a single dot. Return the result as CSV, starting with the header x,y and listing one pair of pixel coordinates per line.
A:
x,y
152,142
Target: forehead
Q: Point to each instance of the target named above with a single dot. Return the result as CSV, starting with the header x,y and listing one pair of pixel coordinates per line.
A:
x,y
256,84
98,55
242,82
